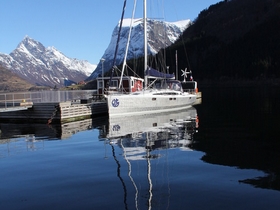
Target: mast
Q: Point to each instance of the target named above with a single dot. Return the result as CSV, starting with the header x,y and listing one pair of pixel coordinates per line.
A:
x,y
117,45
145,43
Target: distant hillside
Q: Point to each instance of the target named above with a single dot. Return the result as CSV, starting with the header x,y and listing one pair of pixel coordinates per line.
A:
x,y
237,39
45,66
10,82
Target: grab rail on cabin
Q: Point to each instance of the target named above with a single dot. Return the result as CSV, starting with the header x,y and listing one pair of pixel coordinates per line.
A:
x,y
193,91
115,90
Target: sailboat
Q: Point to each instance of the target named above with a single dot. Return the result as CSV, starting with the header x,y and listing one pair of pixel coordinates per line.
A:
x,y
161,92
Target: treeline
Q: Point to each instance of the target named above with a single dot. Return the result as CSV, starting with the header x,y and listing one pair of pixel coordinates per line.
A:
x,y
237,39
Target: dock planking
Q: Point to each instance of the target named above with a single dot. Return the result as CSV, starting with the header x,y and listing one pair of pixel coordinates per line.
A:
x,y
54,112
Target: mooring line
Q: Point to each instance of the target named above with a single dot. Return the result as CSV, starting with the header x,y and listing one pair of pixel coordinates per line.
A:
x,y
53,114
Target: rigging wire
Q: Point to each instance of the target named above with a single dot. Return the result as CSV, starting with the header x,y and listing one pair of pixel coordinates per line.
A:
x,y
186,53
183,43
128,41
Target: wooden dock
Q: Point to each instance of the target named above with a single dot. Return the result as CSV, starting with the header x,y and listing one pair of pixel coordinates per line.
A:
x,y
50,106
54,112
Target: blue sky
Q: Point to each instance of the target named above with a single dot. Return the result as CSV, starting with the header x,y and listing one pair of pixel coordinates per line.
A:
x,y
80,29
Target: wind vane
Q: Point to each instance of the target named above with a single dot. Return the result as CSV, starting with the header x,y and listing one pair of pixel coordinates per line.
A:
x,y
185,73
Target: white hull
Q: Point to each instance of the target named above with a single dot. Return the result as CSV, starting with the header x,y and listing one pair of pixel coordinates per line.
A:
x,y
145,102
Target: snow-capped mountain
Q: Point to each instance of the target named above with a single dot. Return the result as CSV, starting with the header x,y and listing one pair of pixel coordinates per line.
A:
x,y
45,65
161,34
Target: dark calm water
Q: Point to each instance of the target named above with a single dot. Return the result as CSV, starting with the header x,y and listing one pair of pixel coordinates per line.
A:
x,y
229,159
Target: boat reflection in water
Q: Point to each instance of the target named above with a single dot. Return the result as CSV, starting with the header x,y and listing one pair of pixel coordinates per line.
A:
x,y
175,129
145,140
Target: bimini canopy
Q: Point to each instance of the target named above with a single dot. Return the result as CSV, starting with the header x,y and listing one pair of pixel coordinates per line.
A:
x,y
153,73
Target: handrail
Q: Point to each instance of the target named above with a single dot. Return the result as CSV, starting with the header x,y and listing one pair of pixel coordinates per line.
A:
x,y
15,98
115,90
190,90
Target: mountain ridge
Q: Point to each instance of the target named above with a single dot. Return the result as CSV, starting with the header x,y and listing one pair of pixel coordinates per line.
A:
x,y
156,41
233,39
44,66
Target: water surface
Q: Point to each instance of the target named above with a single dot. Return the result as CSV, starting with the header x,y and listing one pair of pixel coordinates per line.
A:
x,y
227,158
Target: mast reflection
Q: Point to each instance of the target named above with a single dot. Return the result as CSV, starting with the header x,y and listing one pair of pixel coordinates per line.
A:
x,y
142,137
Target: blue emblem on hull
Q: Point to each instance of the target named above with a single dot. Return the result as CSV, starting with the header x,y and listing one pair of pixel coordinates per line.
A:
x,y
115,102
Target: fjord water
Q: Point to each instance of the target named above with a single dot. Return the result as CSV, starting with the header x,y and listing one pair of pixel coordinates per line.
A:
x,y
229,159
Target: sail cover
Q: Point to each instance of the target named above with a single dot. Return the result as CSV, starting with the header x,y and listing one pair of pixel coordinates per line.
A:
x,y
153,73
